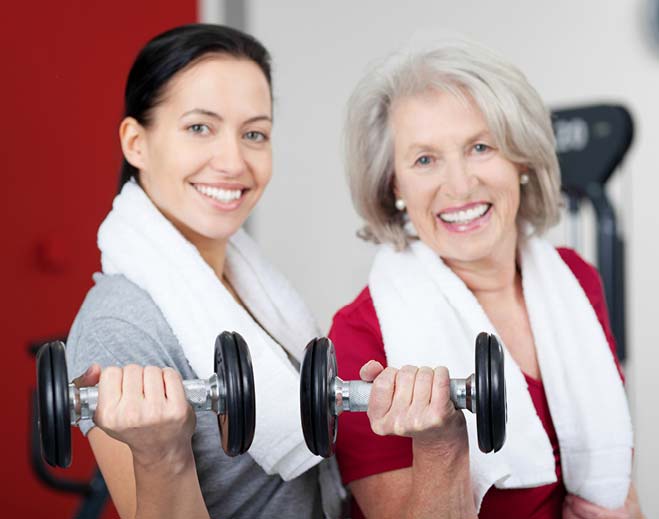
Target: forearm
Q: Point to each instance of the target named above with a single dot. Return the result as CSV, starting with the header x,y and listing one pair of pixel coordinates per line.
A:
x,y
441,484
169,489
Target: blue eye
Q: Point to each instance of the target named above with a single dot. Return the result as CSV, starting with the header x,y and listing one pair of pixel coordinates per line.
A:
x,y
256,136
201,129
423,160
481,148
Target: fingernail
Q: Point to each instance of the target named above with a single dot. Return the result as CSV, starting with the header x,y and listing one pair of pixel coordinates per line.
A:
x,y
89,371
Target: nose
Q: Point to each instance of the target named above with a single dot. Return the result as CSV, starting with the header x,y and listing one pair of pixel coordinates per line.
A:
x,y
459,182
228,157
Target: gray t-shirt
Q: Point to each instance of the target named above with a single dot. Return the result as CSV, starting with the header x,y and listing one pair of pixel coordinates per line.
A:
x,y
120,324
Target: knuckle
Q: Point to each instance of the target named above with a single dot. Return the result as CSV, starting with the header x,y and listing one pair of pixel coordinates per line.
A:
x,y
133,370
177,412
435,422
406,374
149,418
425,371
151,371
441,372
170,374
381,384
389,372
101,416
399,427
110,372
131,418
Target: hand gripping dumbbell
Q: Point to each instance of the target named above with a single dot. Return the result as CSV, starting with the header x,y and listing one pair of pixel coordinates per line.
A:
x,y
324,396
229,393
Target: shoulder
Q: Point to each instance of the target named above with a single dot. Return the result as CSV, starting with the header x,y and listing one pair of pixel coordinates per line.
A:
x,y
116,298
114,294
587,275
356,335
119,323
361,307
579,266
359,315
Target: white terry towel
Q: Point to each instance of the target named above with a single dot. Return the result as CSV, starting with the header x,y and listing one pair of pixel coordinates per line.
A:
x,y
136,240
429,317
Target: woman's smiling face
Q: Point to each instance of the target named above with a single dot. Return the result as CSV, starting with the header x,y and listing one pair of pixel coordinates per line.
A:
x,y
461,193
205,158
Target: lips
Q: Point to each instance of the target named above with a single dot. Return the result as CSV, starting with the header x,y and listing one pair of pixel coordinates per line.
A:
x,y
225,196
466,214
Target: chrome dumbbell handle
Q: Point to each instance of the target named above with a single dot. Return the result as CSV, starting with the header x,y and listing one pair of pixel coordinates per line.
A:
x,y
203,395
353,395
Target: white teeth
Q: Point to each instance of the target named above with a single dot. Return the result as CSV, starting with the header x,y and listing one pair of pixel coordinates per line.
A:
x,y
465,216
221,195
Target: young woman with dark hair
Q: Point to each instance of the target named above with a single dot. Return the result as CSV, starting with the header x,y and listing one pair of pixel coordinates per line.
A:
x,y
177,270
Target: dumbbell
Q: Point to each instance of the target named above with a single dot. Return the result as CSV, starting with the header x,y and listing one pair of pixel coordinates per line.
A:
x,y
324,396
228,392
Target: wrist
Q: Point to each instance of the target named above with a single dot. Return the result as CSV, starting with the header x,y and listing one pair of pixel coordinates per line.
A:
x,y
451,440
173,461
452,455
441,468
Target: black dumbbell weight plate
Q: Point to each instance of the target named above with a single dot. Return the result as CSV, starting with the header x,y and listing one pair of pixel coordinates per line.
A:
x,y
324,419
498,406
248,390
306,396
53,401
318,418
232,421
483,387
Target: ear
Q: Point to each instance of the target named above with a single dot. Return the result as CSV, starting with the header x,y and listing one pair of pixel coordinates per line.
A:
x,y
133,142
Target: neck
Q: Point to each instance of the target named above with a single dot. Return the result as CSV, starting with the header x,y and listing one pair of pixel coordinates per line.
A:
x,y
493,275
212,250
214,253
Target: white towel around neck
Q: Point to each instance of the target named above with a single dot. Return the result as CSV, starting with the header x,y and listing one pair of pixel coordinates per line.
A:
x,y
429,317
136,240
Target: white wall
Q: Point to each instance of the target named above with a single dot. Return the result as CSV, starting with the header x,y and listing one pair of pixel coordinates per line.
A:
x,y
573,52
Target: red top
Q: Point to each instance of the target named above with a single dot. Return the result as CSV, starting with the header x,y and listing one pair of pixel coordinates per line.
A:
x,y
360,452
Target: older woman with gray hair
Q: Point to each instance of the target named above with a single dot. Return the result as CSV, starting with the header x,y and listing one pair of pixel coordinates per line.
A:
x,y
451,163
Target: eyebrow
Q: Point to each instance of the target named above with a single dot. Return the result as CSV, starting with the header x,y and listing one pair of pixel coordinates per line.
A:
x,y
201,111
481,135
425,146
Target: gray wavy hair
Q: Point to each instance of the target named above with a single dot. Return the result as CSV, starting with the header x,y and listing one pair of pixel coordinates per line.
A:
x,y
515,114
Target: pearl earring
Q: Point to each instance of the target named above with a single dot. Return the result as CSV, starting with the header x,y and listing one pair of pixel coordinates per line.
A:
x,y
400,204
524,179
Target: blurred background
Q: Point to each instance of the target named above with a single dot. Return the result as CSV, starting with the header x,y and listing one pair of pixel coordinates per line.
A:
x,y
66,63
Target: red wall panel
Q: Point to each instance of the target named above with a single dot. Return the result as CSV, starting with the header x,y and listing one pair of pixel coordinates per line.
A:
x,y
61,87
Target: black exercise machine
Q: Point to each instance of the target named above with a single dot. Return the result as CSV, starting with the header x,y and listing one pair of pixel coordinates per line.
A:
x,y
591,142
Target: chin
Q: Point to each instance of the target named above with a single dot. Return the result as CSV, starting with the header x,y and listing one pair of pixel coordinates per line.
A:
x,y
467,251
221,234
206,230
